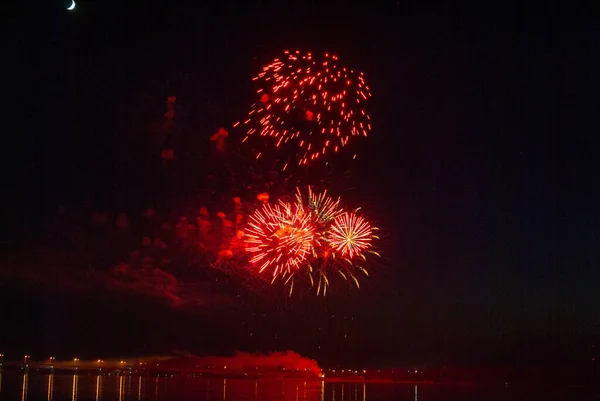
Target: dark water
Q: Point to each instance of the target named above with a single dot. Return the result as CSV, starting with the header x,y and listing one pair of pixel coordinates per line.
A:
x,y
15,386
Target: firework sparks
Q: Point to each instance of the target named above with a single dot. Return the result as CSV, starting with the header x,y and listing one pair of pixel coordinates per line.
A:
x,y
280,238
351,235
324,208
309,240
310,104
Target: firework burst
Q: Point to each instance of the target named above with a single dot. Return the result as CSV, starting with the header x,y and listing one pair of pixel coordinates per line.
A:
x,y
280,238
308,105
350,235
309,240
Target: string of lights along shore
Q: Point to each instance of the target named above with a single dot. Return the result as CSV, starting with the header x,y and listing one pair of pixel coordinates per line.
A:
x,y
308,106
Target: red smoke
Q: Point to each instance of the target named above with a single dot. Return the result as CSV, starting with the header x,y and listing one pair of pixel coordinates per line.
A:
x,y
240,362
170,113
219,139
146,280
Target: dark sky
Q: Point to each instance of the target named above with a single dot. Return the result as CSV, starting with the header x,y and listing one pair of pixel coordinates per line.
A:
x,y
481,170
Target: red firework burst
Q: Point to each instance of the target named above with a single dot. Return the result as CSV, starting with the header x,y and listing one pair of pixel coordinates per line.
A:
x,y
280,238
350,235
310,104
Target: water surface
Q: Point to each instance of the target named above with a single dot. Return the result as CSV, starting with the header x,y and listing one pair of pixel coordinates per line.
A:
x,y
15,386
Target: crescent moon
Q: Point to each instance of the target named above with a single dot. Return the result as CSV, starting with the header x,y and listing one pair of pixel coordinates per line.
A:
x,y
72,6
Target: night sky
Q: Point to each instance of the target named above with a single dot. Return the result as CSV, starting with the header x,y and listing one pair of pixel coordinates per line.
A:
x,y
481,172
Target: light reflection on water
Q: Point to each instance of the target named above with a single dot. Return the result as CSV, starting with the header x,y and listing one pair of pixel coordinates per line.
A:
x,y
98,387
50,387
38,387
24,386
75,387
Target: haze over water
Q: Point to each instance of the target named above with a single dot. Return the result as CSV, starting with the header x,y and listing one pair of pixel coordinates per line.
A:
x,y
15,386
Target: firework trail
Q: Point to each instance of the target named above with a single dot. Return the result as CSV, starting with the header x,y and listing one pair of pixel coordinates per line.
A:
x,y
307,105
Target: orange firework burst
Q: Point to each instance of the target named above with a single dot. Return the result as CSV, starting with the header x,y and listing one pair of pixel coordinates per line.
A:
x,y
310,104
280,238
350,235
